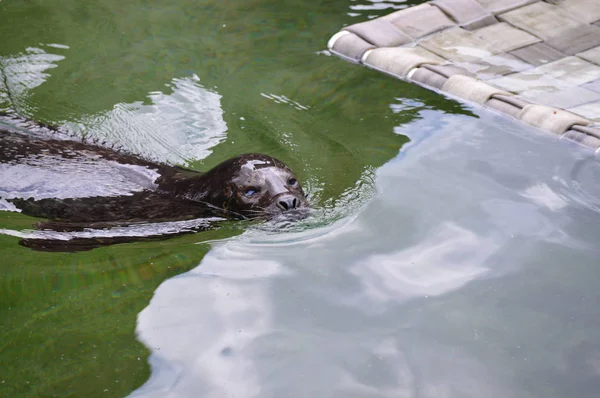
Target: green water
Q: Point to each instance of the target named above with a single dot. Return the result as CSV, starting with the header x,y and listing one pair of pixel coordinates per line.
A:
x,y
68,320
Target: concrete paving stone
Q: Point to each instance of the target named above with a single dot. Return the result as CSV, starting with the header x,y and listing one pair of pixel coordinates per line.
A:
x,y
480,23
471,89
592,55
524,81
458,44
587,11
428,78
566,98
505,37
350,46
548,118
447,70
466,12
594,86
576,40
420,20
555,27
495,66
538,54
500,6
590,110
380,33
400,60
571,70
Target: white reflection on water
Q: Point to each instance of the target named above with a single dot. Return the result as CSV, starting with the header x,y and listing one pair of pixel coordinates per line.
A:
x,y
177,127
444,261
48,176
425,291
209,361
21,73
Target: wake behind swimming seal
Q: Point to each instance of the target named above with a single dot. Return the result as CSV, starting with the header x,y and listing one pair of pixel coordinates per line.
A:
x,y
246,186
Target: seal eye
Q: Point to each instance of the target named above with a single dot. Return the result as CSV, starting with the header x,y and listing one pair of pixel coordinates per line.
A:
x,y
250,192
292,181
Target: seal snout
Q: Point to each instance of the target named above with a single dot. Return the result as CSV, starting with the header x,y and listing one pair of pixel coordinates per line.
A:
x,y
287,202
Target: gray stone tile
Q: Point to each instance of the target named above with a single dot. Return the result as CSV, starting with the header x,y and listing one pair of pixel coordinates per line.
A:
x,y
587,11
458,44
522,82
447,70
500,6
589,111
399,61
555,27
471,89
420,20
505,37
594,86
465,12
571,70
379,32
564,99
503,107
592,55
495,66
428,78
552,119
349,46
538,54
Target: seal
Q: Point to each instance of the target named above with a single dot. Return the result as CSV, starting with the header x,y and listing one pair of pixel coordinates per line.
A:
x,y
104,188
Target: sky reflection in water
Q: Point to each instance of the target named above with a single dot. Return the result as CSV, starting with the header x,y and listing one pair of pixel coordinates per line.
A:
x,y
388,302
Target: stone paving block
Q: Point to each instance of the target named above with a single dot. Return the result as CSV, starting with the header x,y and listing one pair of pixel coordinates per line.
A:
x,y
582,138
495,66
557,28
551,119
458,45
471,89
420,20
587,11
526,81
447,70
500,6
428,78
504,37
590,111
538,54
592,55
594,86
571,70
349,45
565,98
379,32
400,60
467,13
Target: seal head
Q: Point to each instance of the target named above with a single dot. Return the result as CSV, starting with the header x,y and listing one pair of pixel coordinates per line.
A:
x,y
250,185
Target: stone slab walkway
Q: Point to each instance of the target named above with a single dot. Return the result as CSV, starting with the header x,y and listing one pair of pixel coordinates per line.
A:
x,y
535,60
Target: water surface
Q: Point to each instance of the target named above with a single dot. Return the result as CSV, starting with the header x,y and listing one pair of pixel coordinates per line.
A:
x,y
452,252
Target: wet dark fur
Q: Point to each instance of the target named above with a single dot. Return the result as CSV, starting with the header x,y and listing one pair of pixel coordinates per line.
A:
x,y
176,198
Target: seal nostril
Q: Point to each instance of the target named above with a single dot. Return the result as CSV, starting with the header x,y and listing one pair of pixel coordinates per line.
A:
x,y
294,203
283,204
